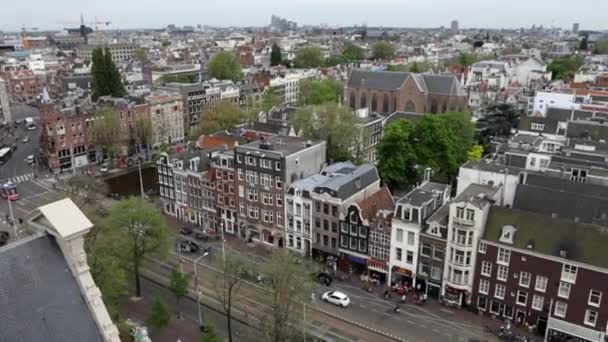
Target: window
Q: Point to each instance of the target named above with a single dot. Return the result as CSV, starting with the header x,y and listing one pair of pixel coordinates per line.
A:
x,y
579,175
399,236
482,247
436,272
569,273
524,279
410,238
595,297
279,182
504,255
522,298
398,254
538,302
279,200
470,215
486,268
502,273
334,227
424,269
564,289
343,241
484,286
541,283
438,253
560,309
425,250
460,212
590,317
499,291
482,303
410,257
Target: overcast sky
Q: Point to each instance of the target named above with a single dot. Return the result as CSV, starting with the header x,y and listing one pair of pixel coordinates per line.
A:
x,y
55,14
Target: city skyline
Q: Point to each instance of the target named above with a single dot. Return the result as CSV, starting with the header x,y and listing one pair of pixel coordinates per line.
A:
x,y
404,13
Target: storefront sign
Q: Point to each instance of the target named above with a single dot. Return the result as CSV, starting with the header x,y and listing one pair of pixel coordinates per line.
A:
x,y
357,260
402,271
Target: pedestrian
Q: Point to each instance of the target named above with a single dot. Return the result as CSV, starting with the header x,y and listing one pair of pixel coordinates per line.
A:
x,y
312,297
403,298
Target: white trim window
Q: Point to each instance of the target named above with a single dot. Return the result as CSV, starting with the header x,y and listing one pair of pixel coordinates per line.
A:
x,y
564,289
590,318
484,286
569,273
522,298
504,256
538,302
486,268
482,247
541,283
560,309
595,298
499,291
525,279
502,273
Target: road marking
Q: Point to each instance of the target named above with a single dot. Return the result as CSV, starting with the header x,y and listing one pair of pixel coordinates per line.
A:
x,y
422,326
409,322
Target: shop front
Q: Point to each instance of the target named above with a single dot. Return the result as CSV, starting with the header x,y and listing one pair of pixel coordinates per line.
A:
x,y
562,331
352,264
401,276
454,296
378,269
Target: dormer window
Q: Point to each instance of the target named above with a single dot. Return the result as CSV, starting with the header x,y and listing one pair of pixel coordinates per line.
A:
x,y
406,214
507,234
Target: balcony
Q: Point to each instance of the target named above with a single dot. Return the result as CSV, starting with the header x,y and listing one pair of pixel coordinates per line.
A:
x,y
463,221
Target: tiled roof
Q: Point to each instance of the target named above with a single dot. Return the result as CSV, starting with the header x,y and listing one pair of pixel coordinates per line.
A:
x,y
391,80
380,200
582,242
40,300
211,141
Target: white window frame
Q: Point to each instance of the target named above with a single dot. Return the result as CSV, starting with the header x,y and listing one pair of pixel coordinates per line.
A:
x,y
564,289
589,322
560,309
538,302
522,276
591,294
486,268
482,247
496,291
484,286
541,280
499,273
569,273
503,256
517,298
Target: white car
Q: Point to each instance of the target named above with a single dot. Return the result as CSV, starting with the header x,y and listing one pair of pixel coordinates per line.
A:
x,y
104,168
30,159
337,298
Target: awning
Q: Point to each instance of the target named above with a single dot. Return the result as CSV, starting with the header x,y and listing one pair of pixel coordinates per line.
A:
x,y
376,264
401,270
357,260
575,330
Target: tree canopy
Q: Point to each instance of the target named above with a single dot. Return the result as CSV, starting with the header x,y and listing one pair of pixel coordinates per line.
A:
x,y
223,116
316,92
600,47
270,99
225,65
440,142
107,133
308,57
352,52
497,122
159,317
334,60
106,77
565,68
332,123
584,44
144,232
275,55
383,50
179,78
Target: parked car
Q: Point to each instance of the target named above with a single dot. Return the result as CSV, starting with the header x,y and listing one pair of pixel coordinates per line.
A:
x,y
337,298
25,139
30,159
104,168
325,278
187,247
186,231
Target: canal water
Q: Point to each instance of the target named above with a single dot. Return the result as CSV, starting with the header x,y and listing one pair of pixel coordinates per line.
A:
x,y
128,184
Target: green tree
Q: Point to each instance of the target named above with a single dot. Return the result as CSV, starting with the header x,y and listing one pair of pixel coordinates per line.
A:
x,y
223,116
462,130
317,92
497,122
383,50
210,334
179,286
165,43
227,284
178,78
106,77
270,99
565,68
290,286
145,232
600,47
476,153
434,147
106,133
143,132
466,59
334,60
332,123
159,315
275,55
397,67
308,57
225,65
584,44
352,52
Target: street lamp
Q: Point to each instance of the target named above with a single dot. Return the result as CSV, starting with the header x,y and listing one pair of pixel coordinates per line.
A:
x,y
141,182
198,293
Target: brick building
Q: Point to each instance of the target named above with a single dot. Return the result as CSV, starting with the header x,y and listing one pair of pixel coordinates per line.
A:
x,y
545,272
387,92
25,85
130,111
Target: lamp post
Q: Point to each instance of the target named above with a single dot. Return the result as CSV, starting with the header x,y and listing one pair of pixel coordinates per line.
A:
x,y
198,294
141,182
223,249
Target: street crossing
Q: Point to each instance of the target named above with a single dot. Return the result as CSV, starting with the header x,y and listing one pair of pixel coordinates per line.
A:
x,y
21,178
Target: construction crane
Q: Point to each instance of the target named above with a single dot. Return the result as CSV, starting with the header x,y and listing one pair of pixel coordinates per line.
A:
x,y
24,38
98,22
84,30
